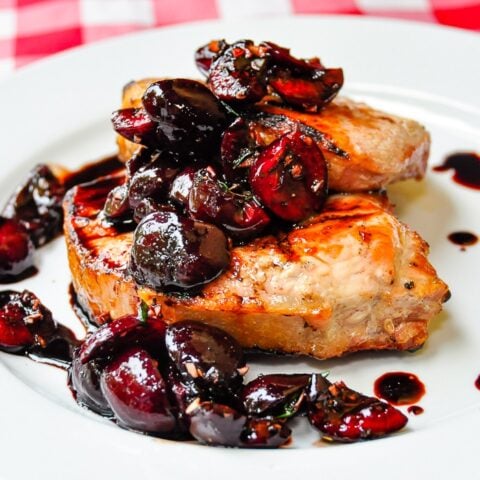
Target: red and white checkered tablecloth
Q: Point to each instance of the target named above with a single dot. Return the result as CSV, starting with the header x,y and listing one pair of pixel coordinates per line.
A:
x,y
32,29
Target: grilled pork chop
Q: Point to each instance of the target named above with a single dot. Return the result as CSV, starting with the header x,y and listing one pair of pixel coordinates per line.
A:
x,y
374,148
352,278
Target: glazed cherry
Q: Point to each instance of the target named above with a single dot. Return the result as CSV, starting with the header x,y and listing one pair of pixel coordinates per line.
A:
x,y
117,204
24,321
311,91
236,75
182,185
210,201
206,355
125,331
37,204
237,151
135,125
84,380
16,251
153,182
264,433
147,206
345,415
173,252
205,55
215,424
136,393
188,115
290,177
276,394
301,83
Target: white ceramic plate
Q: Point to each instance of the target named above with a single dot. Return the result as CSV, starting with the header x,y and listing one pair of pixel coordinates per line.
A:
x,y
58,111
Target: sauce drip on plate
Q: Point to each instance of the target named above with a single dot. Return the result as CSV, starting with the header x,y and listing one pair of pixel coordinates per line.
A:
x,y
463,239
415,410
399,388
466,166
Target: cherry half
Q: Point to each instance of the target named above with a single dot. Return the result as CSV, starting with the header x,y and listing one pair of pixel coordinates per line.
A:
x,y
290,177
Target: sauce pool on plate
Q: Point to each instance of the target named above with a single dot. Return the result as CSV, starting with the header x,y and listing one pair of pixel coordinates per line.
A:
x,y
399,388
466,166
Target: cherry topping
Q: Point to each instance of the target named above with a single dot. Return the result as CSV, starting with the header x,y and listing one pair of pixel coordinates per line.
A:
x,y
153,182
237,151
276,394
206,356
37,204
204,56
135,125
84,379
290,177
24,321
136,392
16,250
264,433
345,415
147,205
215,424
309,92
236,74
188,115
177,253
238,213
116,204
114,336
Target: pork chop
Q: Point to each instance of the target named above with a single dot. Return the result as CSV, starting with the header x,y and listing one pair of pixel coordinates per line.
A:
x,y
353,278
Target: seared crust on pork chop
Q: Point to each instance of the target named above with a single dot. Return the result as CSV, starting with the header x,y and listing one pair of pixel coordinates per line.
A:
x,y
381,148
352,278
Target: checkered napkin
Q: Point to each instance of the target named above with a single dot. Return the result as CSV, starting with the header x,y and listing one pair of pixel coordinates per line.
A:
x,y
32,29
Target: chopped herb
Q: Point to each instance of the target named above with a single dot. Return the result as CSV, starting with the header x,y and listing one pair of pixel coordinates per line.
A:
x,y
143,312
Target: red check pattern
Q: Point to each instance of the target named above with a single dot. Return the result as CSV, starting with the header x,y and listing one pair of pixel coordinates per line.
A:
x,y
33,29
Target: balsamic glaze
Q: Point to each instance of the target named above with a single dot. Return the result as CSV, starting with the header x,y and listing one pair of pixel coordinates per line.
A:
x,y
59,350
79,311
415,410
399,388
466,166
92,171
463,239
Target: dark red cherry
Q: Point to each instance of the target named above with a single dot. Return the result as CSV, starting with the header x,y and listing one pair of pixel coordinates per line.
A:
x,y
16,250
264,433
237,74
137,393
237,151
173,252
189,116
275,394
117,204
37,204
84,379
281,56
125,331
344,415
14,333
204,56
135,125
237,213
152,182
181,186
290,177
206,355
215,424
148,206
308,92
24,321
